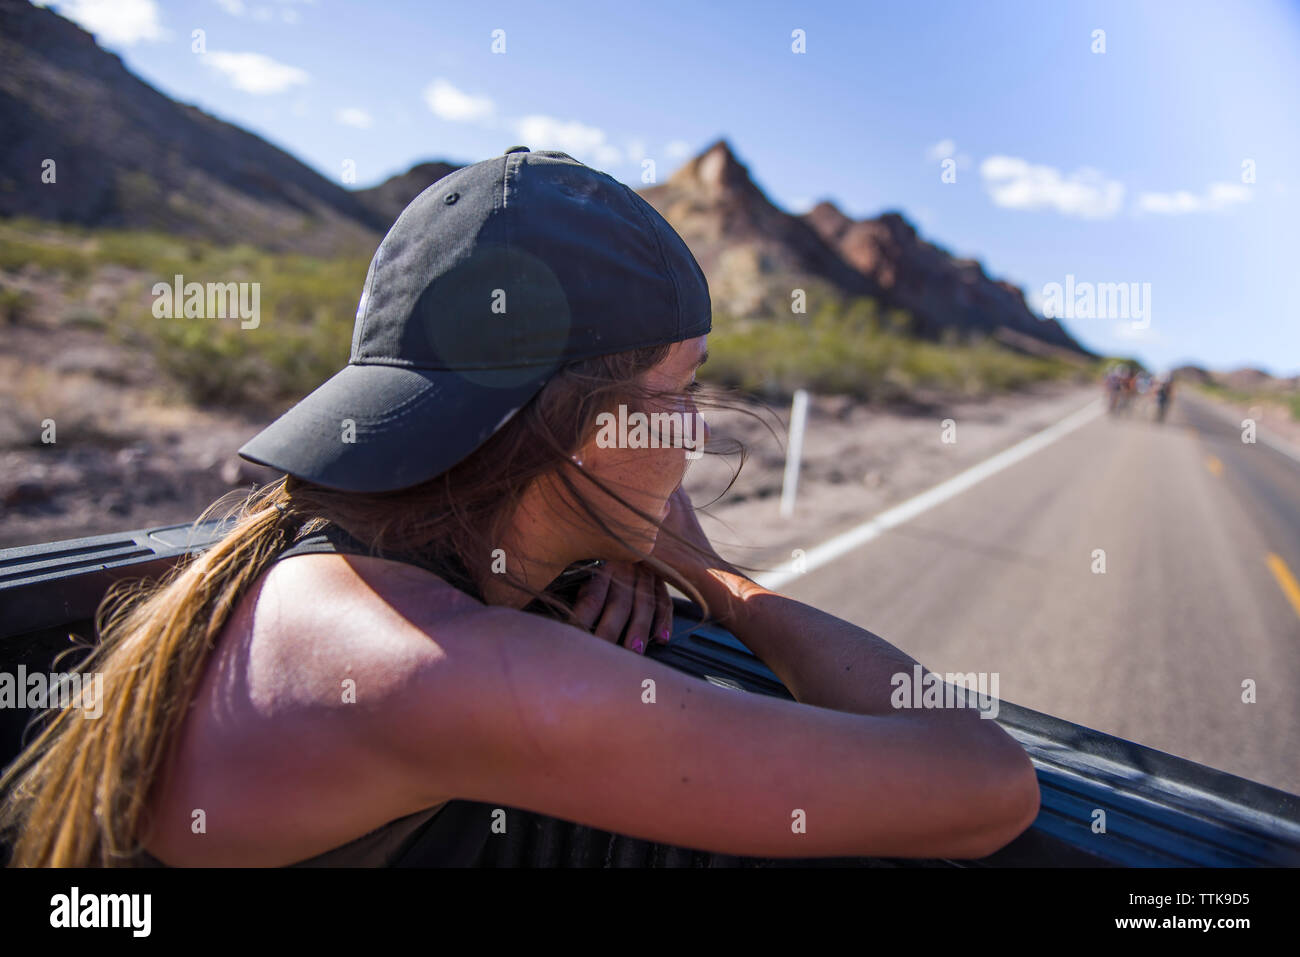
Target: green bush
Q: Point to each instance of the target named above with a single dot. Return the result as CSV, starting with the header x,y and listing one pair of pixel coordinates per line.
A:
x,y
17,252
306,312
845,348
15,306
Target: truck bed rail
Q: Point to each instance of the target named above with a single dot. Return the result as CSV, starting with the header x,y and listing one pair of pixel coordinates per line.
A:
x,y
1160,810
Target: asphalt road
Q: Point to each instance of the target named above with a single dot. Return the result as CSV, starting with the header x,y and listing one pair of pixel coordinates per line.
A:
x,y
1001,579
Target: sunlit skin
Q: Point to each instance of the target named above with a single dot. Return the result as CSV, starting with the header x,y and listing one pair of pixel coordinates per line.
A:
x,y
545,537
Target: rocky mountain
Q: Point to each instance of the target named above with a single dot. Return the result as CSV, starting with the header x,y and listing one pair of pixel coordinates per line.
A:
x,y
1254,381
938,289
125,155
1193,374
752,253
389,198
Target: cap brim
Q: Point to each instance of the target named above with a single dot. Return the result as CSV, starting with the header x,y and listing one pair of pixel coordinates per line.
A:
x,y
379,428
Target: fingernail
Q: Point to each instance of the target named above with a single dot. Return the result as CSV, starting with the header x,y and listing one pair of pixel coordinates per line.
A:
x,y
663,636
638,646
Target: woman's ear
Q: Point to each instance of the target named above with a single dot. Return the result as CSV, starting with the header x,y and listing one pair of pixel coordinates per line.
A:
x,y
591,454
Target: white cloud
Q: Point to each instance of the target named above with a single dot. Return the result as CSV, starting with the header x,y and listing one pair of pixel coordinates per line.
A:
x,y
1015,183
351,116
677,149
945,150
941,150
605,155
121,22
576,139
1217,196
588,144
449,103
255,73
236,8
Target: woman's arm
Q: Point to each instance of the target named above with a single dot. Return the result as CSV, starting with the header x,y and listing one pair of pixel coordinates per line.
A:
x,y
519,711
821,659
500,706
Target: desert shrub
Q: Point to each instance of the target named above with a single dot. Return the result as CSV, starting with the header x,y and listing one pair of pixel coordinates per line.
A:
x,y
848,348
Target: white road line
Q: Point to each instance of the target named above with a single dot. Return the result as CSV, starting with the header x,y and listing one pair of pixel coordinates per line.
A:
x,y
856,537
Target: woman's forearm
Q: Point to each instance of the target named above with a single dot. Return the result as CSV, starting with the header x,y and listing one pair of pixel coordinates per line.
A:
x,y
827,662
821,659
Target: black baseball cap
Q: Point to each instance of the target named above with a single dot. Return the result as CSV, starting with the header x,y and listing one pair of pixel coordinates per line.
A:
x,y
488,283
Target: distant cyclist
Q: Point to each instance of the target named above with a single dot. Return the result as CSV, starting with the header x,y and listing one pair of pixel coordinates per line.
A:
x,y
1164,393
1114,384
1122,388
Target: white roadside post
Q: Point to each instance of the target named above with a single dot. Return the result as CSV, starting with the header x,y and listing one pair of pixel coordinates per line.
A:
x,y
798,415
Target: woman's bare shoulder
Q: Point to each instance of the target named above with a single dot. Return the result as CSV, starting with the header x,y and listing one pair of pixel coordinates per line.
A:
x,y
316,614
278,747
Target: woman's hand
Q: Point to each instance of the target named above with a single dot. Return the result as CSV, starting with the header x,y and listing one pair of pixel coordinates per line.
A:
x,y
626,603
681,519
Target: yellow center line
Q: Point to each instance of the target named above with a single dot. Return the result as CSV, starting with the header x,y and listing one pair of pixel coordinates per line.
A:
x,y
1214,465
1285,580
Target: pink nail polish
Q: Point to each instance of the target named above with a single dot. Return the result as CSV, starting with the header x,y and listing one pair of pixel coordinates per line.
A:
x,y
663,635
638,646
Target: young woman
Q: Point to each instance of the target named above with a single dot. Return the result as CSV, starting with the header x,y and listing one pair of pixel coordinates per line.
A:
x,y
323,707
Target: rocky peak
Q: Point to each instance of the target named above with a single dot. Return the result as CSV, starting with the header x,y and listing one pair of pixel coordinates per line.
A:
x,y
716,171
828,220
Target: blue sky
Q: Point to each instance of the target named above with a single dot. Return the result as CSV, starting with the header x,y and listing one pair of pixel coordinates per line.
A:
x,y
1122,166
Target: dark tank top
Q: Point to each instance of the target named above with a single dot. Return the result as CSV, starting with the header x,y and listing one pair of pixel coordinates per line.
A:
x,y
452,834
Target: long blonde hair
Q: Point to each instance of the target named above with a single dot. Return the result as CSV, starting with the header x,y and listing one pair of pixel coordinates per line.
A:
x,y
76,796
